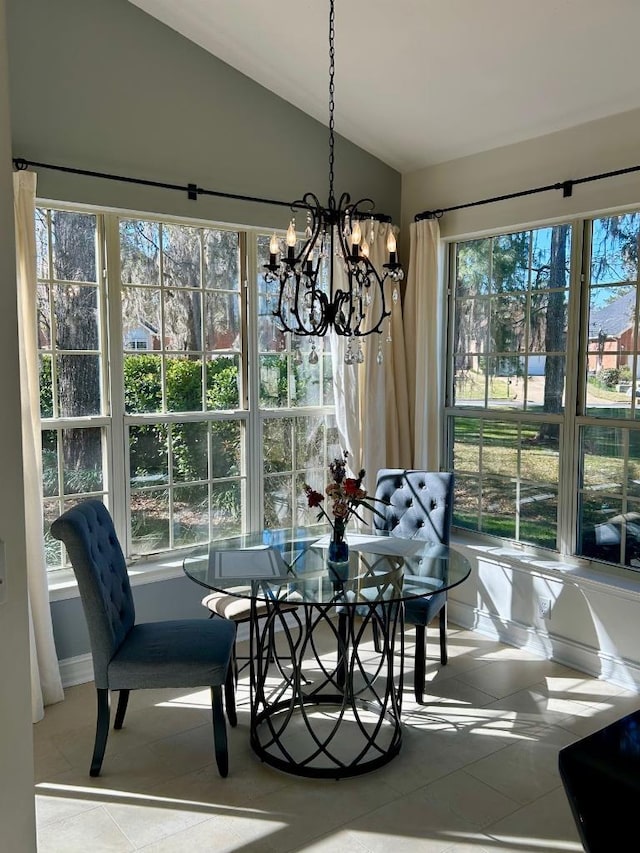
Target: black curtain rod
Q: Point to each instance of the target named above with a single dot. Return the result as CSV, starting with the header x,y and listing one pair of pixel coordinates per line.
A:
x,y
192,190
565,186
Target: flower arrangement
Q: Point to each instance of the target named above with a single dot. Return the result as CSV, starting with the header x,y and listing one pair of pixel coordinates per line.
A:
x,y
346,495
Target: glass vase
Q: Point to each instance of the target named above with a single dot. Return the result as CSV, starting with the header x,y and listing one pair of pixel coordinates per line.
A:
x,y
338,555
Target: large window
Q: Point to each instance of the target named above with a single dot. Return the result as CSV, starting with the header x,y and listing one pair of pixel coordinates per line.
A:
x,y
543,387
166,388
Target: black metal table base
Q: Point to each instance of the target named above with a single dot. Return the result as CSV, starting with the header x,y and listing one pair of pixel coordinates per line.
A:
x,y
327,715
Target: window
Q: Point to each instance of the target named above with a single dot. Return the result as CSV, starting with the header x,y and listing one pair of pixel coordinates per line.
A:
x,y
541,422
149,397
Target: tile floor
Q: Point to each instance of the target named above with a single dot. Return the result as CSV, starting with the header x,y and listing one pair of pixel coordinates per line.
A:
x,y
477,772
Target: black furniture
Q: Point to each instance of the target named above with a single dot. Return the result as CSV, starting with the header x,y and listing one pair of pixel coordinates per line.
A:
x,y
129,656
418,505
601,778
315,713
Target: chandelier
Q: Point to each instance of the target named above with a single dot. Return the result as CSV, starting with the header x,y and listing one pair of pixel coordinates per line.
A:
x,y
311,301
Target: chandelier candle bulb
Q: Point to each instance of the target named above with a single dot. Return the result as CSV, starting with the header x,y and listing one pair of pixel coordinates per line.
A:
x,y
274,248
291,240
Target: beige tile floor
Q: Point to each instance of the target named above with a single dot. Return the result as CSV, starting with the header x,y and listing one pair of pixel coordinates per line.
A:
x,y
477,772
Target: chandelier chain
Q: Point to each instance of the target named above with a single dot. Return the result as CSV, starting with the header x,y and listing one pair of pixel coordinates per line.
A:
x,y
332,71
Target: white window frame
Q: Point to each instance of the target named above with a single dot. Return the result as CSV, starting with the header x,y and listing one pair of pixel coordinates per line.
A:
x,y
573,419
147,568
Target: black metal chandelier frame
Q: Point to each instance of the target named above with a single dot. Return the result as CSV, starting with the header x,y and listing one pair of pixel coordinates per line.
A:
x,y
306,305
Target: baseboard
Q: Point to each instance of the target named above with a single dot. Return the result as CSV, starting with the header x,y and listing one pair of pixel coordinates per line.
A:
x,y
76,670
593,662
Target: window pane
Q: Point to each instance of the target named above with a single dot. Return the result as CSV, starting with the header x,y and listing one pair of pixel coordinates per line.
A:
x,y
139,252
184,384
79,392
190,515
50,482
278,501
181,256
509,347
277,444
149,521
148,455
614,254
222,321
507,476
226,448
226,508
608,517
223,382
273,381
82,461
141,318
190,454
221,260
73,243
142,383
76,315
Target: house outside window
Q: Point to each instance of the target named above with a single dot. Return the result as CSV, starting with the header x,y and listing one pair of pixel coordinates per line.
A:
x,y
543,387
166,389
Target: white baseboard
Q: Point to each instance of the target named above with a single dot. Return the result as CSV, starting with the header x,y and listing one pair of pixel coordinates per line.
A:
x,y
593,662
77,670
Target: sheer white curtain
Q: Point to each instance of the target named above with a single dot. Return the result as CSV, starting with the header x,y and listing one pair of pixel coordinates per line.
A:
x,y
371,398
424,338
46,685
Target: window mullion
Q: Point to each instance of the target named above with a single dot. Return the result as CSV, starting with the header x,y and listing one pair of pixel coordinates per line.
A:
x,y
118,480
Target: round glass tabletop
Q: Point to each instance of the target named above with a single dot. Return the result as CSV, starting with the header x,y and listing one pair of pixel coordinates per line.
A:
x,y
293,566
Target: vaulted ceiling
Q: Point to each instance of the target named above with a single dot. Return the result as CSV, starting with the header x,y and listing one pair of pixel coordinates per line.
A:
x,y
420,82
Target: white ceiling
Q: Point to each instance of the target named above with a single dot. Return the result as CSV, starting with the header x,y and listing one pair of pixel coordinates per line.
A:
x,y
420,82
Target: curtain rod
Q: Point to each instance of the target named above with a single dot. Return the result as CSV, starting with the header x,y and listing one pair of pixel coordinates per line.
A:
x,y
192,190
565,186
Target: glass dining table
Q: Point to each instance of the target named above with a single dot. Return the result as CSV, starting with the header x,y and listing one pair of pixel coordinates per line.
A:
x,y
326,674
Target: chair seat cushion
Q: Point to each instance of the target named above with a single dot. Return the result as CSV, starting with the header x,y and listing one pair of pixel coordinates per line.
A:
x,y
420,611
238,609
178,653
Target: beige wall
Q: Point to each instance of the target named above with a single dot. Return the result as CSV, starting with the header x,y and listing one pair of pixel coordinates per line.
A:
x,y
17,820
588,149
594,614
100,85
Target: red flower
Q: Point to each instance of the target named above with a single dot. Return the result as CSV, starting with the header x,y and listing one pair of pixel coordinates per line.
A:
x,y
352,487
313,498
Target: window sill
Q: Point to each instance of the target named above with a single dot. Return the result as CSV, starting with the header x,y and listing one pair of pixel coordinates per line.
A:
x,y
63,585
550,565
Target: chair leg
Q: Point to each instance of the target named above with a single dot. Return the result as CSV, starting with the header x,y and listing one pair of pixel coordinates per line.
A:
x,y
102,730
230,694
219,731
121,710
444,657
419,663
376,634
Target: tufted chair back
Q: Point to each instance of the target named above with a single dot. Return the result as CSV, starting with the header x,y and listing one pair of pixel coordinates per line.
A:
x,y
99,566
419,504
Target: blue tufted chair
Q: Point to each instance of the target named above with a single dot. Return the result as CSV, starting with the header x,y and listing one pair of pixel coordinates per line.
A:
x,y
419,505
127,656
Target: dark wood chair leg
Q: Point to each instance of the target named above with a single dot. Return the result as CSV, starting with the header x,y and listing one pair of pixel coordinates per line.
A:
x,y
420,662
102,730
230,695
121,710
219,732
444,657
